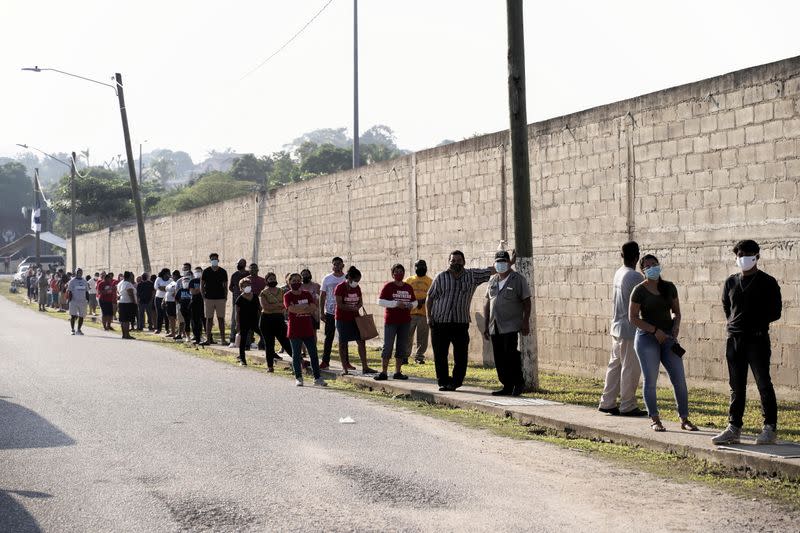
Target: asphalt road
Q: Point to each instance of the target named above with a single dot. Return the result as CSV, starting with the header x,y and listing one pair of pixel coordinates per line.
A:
x,y
102,434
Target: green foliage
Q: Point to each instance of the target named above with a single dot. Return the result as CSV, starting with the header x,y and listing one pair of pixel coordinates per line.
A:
x,y
284,169
325,159
102,197
252,168
208,189
16,190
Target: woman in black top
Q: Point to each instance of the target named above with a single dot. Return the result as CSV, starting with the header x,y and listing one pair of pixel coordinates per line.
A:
x,y
656,312
248,311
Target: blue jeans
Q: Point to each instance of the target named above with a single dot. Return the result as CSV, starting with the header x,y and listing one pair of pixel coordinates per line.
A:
x,y
297,356
395,336
651,355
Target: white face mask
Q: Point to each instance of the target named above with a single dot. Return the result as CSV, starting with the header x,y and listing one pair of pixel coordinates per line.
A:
x,y
197,274
248,289
501,267
354,284
185,273
185,284
214,262
747,262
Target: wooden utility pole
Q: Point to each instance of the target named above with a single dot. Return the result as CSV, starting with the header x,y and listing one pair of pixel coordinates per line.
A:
x,y
356,147
520,167
137,202
37,227
73,248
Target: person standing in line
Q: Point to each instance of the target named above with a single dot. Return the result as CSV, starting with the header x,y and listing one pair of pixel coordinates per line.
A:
x,y
258,284
421,282
214,286
30,283
448,303
76,295
301,307
398,299
126,292
247,313
62,292
348,303
313,288
107,291
42,284
198,320
116,281
160,285
751,300
656,312
623,372
53,292
327,307
508,311
170,304
233,287
183,299
144,295
91,291
273,324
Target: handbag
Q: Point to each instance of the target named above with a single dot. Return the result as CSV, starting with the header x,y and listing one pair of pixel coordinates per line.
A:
x,y
366,326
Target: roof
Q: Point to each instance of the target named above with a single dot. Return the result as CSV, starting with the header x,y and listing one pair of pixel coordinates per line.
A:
x,y
12,248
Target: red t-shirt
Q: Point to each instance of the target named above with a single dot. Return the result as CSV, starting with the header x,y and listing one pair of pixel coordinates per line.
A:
x,y
300,324
106,291
349,296
402,293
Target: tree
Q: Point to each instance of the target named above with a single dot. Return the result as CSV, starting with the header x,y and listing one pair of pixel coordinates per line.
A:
x,y
163,169
16,191
379,134
102,197
250,168
284,169
335,136
208,189
326,159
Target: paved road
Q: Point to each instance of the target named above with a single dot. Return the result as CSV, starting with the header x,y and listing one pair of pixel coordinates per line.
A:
x,y
101,434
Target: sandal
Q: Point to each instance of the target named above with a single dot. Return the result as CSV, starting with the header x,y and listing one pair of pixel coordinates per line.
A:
x,y
686,425
657,427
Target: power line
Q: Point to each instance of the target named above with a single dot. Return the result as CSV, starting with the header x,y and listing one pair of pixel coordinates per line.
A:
x,y
292,38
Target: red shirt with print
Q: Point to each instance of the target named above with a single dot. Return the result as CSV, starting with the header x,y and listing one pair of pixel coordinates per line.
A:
x,y
107,291
300,324
349,296
398,293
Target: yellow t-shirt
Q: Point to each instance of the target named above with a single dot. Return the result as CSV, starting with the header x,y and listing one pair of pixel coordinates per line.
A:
x,y
421,284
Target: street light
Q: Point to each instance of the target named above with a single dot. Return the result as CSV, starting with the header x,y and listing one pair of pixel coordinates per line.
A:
x,y
71,166
137,203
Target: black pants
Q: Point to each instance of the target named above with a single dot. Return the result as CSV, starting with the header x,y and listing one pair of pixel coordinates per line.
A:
x,y
145,309
330,331
161,315
186,313
507,359
245,330
442,335
751,351
198,320
272,326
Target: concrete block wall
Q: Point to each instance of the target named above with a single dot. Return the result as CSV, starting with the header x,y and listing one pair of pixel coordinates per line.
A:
x,y
685,171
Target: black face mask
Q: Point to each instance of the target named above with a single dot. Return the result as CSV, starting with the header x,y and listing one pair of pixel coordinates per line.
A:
x,y
272,284
456,268
306,279
421,271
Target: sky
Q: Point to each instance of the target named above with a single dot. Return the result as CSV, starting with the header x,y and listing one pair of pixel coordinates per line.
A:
x,y
429,69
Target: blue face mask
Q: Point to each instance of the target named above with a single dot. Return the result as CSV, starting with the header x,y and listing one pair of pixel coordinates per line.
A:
x,y
654,272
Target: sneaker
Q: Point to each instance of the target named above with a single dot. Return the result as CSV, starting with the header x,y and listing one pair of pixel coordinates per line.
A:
x,y
610,410
633,412
505,391
732,435
419,361
381,377
79,332
768,435
277,357
399,375
323,365
232,345
319,382
298,382
73,332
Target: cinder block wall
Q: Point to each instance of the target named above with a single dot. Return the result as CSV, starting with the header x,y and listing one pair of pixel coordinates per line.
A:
x,y
685,171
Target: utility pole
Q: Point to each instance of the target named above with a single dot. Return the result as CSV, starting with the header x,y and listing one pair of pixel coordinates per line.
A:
x,y
356,148
73,263
140,164
137,202
36,202
523,233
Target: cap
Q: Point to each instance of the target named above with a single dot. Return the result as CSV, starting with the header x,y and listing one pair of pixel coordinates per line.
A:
x,y
502,255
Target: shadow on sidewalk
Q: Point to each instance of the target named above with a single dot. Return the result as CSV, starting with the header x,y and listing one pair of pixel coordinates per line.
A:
x,y
22,428
14,516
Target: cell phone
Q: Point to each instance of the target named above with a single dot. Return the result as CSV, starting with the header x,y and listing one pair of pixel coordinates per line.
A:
x,y
678,350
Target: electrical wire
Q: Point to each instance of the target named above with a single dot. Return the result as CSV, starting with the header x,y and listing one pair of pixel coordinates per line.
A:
x,y
292,38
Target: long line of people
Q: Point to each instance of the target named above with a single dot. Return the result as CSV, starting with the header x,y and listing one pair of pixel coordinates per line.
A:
x,y
645,323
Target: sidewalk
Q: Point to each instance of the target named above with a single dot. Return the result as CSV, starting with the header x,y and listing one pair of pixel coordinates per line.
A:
x,y
577,421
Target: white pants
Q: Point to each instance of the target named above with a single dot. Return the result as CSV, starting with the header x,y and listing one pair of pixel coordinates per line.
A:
x,y
622,376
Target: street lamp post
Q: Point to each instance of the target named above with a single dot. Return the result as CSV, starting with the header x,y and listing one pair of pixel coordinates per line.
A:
x,y
137,203
141,176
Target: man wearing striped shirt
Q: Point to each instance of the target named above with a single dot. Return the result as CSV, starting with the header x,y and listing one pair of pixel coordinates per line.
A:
x,y
448,304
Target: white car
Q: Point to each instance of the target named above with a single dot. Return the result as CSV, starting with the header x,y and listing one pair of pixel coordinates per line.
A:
x,y
19,277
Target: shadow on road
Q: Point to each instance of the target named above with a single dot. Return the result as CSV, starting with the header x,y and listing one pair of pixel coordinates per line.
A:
x,y
22,428
14,516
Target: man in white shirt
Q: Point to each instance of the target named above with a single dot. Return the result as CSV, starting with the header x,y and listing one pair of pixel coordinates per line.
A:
x,y
77,297
622,375
327,305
